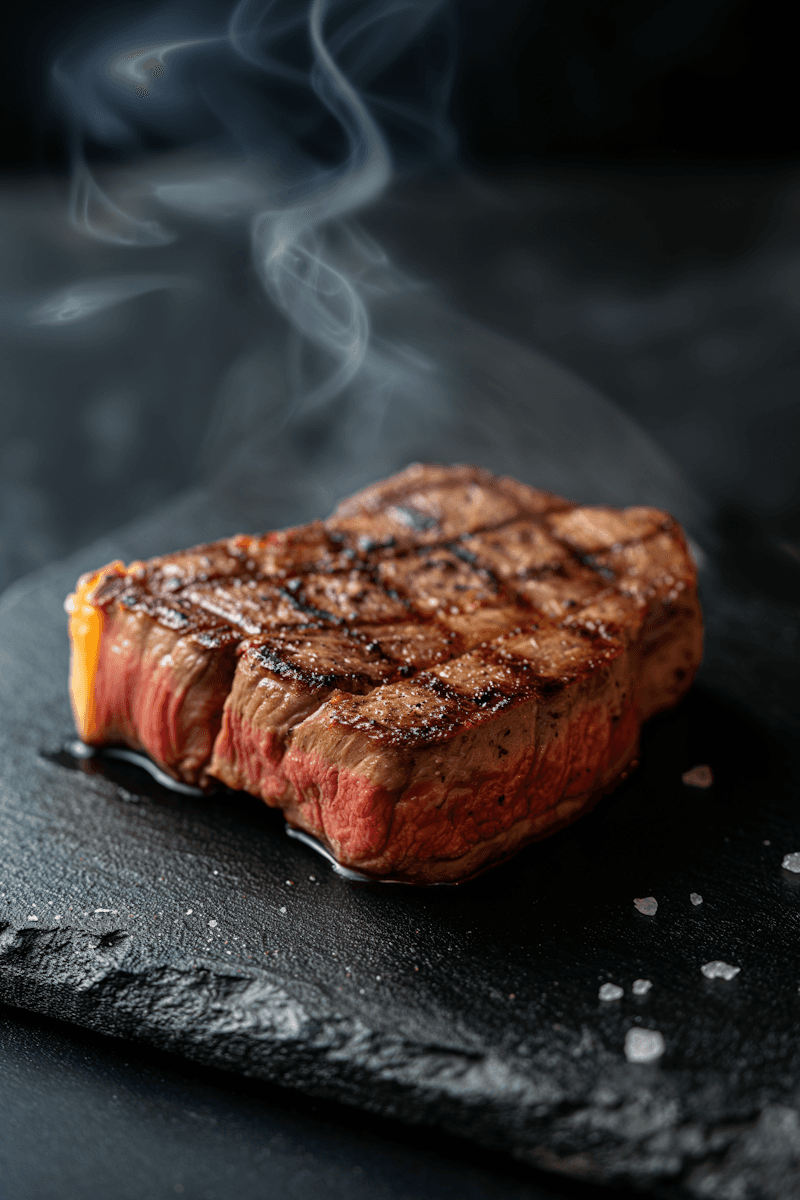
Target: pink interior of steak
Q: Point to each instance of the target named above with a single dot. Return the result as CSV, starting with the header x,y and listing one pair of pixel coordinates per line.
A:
x,y
425,606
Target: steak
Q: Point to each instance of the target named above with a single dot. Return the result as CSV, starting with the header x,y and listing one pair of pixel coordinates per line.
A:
x,y
450,666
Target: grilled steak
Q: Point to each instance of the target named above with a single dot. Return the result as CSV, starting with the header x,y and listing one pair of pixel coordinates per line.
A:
x,y
450,666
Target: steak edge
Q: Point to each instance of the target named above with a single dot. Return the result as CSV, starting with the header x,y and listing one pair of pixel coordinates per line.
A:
x,y
451,666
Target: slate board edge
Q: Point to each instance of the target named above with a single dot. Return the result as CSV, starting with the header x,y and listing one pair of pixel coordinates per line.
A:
x,y
336,1058
341,1059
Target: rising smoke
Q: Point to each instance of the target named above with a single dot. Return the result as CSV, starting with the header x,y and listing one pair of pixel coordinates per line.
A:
x,y
283,88
278,121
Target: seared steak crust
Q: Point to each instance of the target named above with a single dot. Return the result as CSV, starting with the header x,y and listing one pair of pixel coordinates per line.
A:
x,y
450,666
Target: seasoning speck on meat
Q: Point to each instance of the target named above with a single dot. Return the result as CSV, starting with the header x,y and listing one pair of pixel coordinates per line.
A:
x,y
449,667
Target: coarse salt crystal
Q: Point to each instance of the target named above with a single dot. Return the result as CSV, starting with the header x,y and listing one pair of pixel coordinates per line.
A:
x,y
283,908
213,924
647,905
695,898
791,862
643,1045
610,991
719,970
641,987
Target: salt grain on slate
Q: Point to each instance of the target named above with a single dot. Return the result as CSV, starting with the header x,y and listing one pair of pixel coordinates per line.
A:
x,y
719,970
695,898
610,991
699,777
791,862
643,1045
641,987
647,905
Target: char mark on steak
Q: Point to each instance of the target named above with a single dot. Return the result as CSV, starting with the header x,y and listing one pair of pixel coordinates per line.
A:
x,y
451,665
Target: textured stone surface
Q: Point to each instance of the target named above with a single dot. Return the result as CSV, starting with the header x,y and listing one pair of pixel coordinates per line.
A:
x,y
198,926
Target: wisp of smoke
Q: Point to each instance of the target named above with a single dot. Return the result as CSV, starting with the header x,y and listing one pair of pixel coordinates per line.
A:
x,y
319,101
288,116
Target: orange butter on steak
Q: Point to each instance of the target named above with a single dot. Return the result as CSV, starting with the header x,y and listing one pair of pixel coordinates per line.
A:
x,y
451,666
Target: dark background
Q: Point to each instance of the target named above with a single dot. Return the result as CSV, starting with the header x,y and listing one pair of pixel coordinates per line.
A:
x,y
537,81
639,223
623,81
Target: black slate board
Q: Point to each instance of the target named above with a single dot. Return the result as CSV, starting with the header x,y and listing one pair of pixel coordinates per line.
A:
x,y
68,1095
474,1009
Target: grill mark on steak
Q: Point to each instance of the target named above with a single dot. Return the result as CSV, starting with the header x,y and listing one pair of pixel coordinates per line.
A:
x,y
432,579
474,687
454,707
273,661
428,713
465,555
590,561
321,658
366,544
301,606
175,612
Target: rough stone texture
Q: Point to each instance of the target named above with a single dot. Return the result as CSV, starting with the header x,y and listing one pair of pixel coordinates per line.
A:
x,y
172,920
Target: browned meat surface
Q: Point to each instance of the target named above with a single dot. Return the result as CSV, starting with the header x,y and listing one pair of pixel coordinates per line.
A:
x,y
450,666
